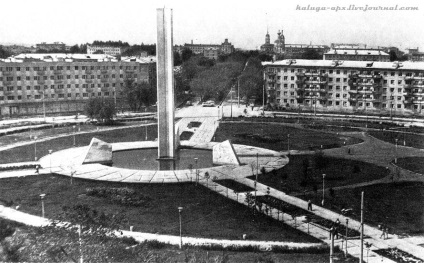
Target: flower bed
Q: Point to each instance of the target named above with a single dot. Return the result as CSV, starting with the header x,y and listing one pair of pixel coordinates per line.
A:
x,y
398,255
122,195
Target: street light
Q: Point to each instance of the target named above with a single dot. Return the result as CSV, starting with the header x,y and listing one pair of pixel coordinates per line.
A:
x,y
323,188
35,148
73,129
42,204
180,209
195,161
288,143
396,140
50,157
146,132
347,228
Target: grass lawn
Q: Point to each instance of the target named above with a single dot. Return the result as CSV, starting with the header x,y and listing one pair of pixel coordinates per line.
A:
x,y
274,136
47,245
205,213
398,205
304,172
415,164
26,153
411,140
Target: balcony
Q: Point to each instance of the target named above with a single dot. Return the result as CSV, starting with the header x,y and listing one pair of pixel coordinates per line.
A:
x,y
104,71
313,74
41,82
133,70
300,74
58,81
7,73
88,81
41,72
269,73
104,80
87,71
300,82
104,89
353,76
57,72
421,77
321,82
7,83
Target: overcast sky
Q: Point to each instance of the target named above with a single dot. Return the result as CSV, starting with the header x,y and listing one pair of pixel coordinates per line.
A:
x,y
244,23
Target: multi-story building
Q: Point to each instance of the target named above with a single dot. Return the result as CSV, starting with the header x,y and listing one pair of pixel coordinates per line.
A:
x,y
296,51
107,50
357,54
211,53
55,83
51,46
346,86
225,47
415,55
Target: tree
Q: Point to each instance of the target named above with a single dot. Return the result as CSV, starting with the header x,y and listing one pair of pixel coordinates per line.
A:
x,y
186,54
393,56
75,49
139,94
100,109
99,52
311,54
177,59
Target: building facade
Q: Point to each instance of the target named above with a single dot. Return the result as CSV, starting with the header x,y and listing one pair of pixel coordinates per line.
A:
x,y
296,51
357,54
415,55
58,83
107,50
211,53
225,47
395,88
52,46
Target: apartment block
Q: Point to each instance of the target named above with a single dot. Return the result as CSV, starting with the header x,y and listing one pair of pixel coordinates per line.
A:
x,y
58,83
112,51
346,86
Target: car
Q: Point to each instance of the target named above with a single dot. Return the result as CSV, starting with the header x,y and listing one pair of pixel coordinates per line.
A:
x,y
209,103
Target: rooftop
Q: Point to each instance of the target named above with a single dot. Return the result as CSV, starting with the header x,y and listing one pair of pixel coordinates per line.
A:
x,y
406,65
57,57
362,52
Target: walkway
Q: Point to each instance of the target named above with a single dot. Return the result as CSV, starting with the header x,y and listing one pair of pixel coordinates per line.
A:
x,y
371,150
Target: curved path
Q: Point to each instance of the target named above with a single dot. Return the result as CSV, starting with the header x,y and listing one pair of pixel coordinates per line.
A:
x,y
373,151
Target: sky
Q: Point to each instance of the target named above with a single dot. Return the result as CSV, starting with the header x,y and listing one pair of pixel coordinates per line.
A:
x,y
244,23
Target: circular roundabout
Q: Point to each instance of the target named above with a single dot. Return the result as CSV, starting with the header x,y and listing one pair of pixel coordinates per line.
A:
x,y
73,162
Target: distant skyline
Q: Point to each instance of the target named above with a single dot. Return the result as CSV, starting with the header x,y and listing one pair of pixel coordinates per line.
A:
x,y
244,23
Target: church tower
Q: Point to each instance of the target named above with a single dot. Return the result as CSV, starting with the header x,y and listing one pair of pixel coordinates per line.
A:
x,y
267,38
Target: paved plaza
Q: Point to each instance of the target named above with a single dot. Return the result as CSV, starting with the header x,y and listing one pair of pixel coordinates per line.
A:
x,y
69,162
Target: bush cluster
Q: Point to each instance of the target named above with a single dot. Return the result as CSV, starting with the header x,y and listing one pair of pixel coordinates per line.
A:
x,y
121,195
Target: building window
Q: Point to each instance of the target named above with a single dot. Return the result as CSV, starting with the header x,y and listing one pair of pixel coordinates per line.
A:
x,y
85,95
10,97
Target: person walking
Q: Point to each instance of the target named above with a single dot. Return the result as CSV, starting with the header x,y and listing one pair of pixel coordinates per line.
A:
x,y
337,228
383,231
309,205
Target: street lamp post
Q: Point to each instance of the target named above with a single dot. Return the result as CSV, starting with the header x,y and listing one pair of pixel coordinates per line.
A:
x,y
396,140
288,143
146,132
50,157
35,148
180,209
42,204
323,189
195,161
73,129
347,228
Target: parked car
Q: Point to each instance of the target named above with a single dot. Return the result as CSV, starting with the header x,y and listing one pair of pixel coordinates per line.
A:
x,y
209,103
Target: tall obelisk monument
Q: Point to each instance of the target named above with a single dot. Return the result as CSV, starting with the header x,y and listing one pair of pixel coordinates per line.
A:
x,y
165,87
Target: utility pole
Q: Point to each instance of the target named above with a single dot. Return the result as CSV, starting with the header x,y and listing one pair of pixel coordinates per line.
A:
x,y
332,246
361,259
231,103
